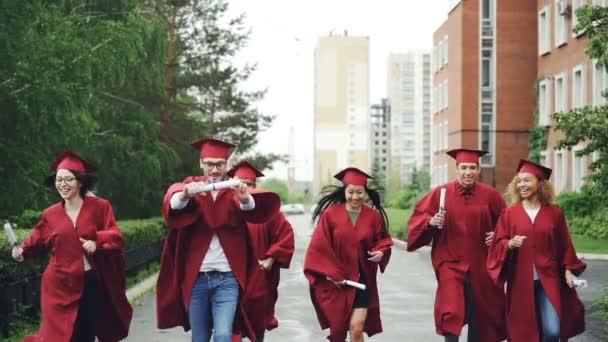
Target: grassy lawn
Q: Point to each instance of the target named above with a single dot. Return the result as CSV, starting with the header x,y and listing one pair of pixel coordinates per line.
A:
x,y
397,219
587,245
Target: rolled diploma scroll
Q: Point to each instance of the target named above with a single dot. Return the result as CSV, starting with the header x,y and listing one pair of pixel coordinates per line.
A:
x,y
10,234
350,283
582,283
218,186
442,202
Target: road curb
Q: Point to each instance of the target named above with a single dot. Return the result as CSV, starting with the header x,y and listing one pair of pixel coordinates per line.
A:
x,y
591,256
141,288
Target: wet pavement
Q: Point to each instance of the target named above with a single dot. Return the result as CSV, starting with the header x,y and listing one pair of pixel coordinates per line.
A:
x,y
407,292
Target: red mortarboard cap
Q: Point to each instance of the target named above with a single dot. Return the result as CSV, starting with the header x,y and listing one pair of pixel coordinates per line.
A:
x,y
464,155
71,161
244,170
213,148
352,175
542,172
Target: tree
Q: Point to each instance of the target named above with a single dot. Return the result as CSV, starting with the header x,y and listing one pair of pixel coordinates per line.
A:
x,y
590,124
278,186
379,179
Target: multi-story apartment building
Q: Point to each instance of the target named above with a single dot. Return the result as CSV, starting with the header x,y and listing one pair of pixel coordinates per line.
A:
x,y
381,136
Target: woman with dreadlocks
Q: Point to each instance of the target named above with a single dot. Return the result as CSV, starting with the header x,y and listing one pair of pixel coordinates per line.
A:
x,y
349,243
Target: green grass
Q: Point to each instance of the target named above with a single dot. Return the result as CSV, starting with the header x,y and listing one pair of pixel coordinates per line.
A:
x,y
397,219
584,244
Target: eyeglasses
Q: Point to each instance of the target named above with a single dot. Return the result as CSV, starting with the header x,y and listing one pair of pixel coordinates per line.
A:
x,y
219,165
58,180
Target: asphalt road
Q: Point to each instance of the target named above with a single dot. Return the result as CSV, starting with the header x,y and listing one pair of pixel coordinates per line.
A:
x,y
407,291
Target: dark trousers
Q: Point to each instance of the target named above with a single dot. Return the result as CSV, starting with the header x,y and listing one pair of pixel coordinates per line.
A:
x,y
470,316
84,331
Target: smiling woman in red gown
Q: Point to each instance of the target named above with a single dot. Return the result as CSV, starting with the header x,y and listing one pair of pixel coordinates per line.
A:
x,y
532,251
83,286
350,242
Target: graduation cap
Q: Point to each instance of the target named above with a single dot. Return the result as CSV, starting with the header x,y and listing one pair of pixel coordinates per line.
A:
x,y
465,155
526,166
213,148
244,170
352,176
71,161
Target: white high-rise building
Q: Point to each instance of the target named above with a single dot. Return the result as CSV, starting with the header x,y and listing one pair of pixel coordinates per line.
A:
x,y
409,94
341,109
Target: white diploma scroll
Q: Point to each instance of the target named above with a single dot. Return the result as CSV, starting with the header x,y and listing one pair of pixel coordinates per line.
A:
x,y
579,283
442,202
350,283
10,234
218,186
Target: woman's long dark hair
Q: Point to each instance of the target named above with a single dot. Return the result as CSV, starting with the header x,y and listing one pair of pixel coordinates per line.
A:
x,y
333,194
87,181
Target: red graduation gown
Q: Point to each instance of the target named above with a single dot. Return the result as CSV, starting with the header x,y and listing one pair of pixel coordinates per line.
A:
x,y
458,249
275,239
336,250
190,233
549,248
63,278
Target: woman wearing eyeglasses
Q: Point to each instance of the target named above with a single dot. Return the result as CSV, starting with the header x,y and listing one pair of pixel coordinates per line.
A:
x,y
83,286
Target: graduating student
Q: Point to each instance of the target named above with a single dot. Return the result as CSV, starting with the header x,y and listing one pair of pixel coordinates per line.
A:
x,y
532,251
273,247
83,286
460,239
351,241
205,258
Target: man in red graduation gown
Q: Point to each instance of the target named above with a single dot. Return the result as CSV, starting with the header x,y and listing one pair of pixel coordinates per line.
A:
x,y
273,246
460,239
205,258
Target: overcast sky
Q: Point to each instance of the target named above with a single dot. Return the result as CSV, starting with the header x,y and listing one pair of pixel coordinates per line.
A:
x,y
283,37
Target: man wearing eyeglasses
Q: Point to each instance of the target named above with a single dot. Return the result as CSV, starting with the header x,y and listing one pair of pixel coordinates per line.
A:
x,y
273,247
206,253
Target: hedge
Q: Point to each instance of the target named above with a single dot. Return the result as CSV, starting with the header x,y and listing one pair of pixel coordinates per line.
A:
x,y
136,233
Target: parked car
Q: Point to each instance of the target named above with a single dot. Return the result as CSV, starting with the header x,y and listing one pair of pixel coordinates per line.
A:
x,y
292,209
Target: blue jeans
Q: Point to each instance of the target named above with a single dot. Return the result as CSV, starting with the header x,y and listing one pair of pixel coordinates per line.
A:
x,y
214,299
549,320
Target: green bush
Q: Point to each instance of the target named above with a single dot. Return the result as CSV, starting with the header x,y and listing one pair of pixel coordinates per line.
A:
x,y
593,226
580,204
601,308
28,219
404,200
136,233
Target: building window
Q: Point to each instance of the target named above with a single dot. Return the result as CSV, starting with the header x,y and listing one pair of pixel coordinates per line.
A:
x,y
486,10
579,90
561,171
561,93
543,103
445,135
485,72
600,83
445,50
576,4
544,31
561,22
545,159
579,169
445,94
